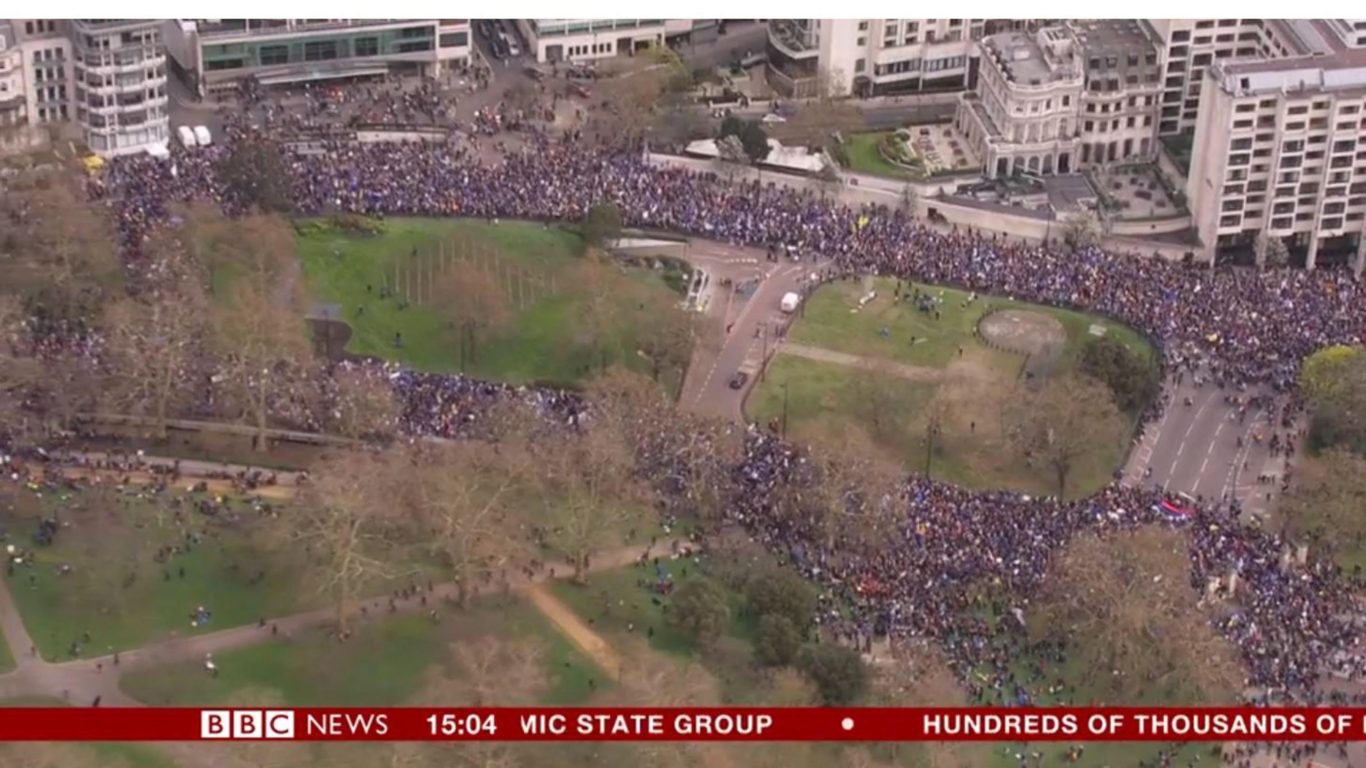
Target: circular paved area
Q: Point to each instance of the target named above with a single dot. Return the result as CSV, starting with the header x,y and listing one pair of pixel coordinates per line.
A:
x,y
1023,331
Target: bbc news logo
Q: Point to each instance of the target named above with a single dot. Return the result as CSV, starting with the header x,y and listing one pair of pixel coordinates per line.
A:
x,y
246,724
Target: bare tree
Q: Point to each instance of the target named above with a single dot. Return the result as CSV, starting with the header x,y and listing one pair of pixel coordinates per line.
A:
x,y
882,400
475,304
60,246
348,525
492,671
600,284
20,371
589,485
1060,423
1081,230
1325,502
471,522
1272,252
365,406
1123,604
153,350
664,336
909,201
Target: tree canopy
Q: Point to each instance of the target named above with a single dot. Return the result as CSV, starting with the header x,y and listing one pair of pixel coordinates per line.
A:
x,y
1130,375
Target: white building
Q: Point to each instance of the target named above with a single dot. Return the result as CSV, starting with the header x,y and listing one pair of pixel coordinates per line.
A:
x,y
48,69
1280,151
217,54
120,93
1063,98
13,100
873,57
553,40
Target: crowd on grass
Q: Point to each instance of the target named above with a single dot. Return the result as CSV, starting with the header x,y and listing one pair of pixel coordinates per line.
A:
x,y
1237,327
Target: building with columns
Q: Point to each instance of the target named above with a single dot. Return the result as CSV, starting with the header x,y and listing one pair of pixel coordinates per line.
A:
x,y
1062,98
1280,152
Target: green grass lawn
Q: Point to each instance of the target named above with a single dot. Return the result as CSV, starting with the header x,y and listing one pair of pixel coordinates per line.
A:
x,y
825,399
6,658
547,339
384,663
120,594
828,321
865,158
821,399
622,606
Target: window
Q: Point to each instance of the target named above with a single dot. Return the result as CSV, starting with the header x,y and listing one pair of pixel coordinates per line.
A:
x,y
454,39
320,50
863,26
274,54
367,46
859,66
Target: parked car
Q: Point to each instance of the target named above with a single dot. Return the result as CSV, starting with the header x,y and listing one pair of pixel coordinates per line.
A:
x,y
534,73
186,136
202,136
738,380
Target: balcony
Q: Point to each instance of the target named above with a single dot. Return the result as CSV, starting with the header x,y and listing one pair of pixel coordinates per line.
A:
x,y
795,37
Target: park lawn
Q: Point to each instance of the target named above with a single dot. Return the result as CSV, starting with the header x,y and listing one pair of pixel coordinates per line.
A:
x,y
865,158
619,605
819,397
6,658
96,596
384,663
970,451
829,320
547,339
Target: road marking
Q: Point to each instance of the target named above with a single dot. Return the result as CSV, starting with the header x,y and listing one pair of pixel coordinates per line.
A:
x,y
1182,447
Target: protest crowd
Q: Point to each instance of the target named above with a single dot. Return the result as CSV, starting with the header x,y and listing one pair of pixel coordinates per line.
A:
x,y
1237,327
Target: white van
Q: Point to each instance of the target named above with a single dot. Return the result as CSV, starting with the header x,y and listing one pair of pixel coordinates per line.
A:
x,y
514,50
186,136
201,134
790,302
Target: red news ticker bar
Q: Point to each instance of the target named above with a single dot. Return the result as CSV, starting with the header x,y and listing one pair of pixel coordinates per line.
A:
x,y
1011,724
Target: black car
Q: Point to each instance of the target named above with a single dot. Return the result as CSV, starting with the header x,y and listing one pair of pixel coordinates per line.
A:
x,y
738,380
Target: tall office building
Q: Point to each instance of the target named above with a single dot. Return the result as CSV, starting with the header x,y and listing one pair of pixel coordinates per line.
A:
x,y
1280,150
120,88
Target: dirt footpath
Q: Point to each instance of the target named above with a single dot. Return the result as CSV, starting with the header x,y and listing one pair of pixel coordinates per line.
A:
x,y
583,636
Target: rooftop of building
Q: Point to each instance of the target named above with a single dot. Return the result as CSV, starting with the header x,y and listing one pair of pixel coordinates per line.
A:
x,y
91,25
1104,36
1326,64
212,27
1036,59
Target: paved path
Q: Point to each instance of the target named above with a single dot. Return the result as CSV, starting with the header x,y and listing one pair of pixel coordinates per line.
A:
x,y
890,367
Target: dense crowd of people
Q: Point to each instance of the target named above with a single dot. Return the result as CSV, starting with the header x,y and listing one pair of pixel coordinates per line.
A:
x,y
1237,326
